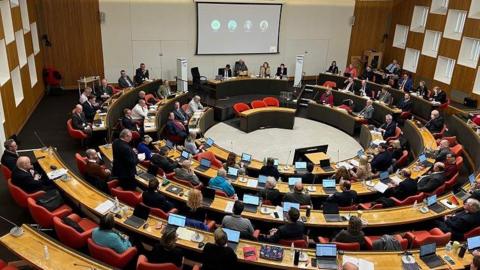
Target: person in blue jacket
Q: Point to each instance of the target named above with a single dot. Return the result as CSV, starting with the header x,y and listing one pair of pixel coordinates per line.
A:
x,y
105,236
220,182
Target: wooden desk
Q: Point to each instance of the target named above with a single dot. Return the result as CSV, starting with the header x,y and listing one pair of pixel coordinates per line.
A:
x,y
248,86
102,116
272,117
315,158
30,247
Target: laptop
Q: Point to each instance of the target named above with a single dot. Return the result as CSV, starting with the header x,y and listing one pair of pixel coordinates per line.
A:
x,y
208,143
232,173
204,165
472,180
325,165
360,153
169,144
331,212
326,256
233,237
422,159
174,189
329,186
473,243
433,205
246,158
288,205
385,177
184,156
176,220
139,217
250,203
262,180
300,167
292,181
208,195
428,256
462,194
146,176
275,162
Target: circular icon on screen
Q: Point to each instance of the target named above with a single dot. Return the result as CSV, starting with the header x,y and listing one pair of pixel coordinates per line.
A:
x,y
247,26
232,25
215,24
263,25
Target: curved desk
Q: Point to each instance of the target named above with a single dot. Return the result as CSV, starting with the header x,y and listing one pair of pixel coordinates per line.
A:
x,y
333,116
468,137
248,86
272,117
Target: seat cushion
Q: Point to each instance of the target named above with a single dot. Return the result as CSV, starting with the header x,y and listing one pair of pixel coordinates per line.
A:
x,y
61,209
87,224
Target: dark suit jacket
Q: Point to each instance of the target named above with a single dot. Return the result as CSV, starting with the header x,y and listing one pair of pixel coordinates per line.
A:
x,y
163,163
344,198
79,121
289,231
89,111
273,195
156,200
173,129
461,223
435,125
221,71
423,92
389,129
405,105
140,76
25,181
440,97
298,197
308,178
270,171
430,182
123,82
128,123
180,115
406,188
124,164
9,160
368,90
104,90
333,69
408,85
280,73
382,161
441,154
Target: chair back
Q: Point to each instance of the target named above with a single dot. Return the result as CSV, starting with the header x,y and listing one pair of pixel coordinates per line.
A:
x,y
451,182
75,133
81,163
240,107
156,211
271,102
457,150
438,191
20,196
7,174
258,104
143,264
185,107
210,156
348,246
473,232
109,256
132,198
409,200
298,243
348,208
68,235
402,160
42,216
330,84
459,162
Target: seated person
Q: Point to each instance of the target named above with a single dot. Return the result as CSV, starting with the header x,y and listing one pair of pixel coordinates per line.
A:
x,y
298,196
270,193
349,84
10,155
439,95
406,105
347,105
341,174
27,179
463,221
90,108
240,68
474,120
193,207
383,160
282,71
106,236
194,105
180,114
403,189
293,230
95,172
237,222
264,70
436,123
104,91
166,250
450,166
226,72
164,90
367,74
333,68
219,256
350,71
151,100
353,233
327,97
175,127
127,120
364,89
309,177
222,183
141,74
422,90
79,121
443,150
144,147
345,198
185,172
388,128
140,111
190,145
270,169
232,162
152,198
396,149
405,83
161,161
85,94
367,112
392,68
124,81
385,96
363,171
429,183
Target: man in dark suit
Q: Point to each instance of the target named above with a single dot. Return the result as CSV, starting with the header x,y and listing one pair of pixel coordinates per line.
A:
x,y
152,198
127,121
95,172
385,96
443,151
240,68
298,196
79,121
270,169
141,74
403,189
364,89
124,161
226,72
345,198
180,114
175,127
439,95
161,161
281,70
10,155
463,221
432,181
104,91
89,108
309,177
25,177
388,128
406,104
293,230
436,123
382,161
405,83
124,81
270,193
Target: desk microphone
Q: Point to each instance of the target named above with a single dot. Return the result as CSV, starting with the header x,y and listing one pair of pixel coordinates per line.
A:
x,y
289,154
84,265
16,231
231,145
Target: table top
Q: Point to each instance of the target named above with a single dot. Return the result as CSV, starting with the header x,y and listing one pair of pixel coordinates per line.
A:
x,y
315,158
247,113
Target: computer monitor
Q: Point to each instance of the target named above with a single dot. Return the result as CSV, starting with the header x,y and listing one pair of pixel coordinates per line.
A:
x,y
176,220
473,242
205,162
471,178
288,205
185,155
232,235
250,199
209,142
384,175
326,250
246,157
422,158
300,165
431,200
328,183
262,179
293,180
428,249
232,171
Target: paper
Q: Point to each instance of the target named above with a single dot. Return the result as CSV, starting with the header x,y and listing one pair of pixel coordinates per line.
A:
x,y
229,207
252,183
104,207
344,164
141,156
355,162
57,173
378,142
102,114
279,211
380,187
360,263
184,233
448,204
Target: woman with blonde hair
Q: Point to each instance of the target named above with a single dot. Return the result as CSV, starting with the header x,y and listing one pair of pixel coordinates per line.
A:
x,y
265,70
363,171
341,174
193,208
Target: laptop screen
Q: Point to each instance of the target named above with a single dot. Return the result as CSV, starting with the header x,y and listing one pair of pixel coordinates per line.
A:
x,y
209,142
249,199
205,162
384,175
325,162
328,183
275,162
141,212
422,158
431,200
246,157
330,208
185,155
293,180
300,165
360,153
232,171
428,249
262,179
176,220
326,250
232,235
208,193
473,242
471,178
288,205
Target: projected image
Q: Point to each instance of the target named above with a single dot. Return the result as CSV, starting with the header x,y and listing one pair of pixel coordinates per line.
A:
x,y
215,24
247,26
232,25
264,26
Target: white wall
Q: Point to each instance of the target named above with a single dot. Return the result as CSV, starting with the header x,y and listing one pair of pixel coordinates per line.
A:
x,y
156,32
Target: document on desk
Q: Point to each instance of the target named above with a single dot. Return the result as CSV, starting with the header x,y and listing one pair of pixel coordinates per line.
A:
x,y
279,211
252,183
104,207
380,187
360,263
185,234
355,162
344,164
57,173
229,207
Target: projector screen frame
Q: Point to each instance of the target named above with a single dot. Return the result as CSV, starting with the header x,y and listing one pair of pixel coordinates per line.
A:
x,y
239,3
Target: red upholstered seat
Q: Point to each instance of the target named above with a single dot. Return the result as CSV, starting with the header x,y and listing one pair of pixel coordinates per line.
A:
x,y
451,182
71,237
150,97
20,196
81,163
370,239
271,102
402,160
473,232
240,107
143,264
440,134
159,212
444,105
367,206
298,243
258,104
459,162
5,266
109,256
418,238
210,156
452,140
405,115
44,217
457,150
409,200
132,198
341,246
187,183
75,133
398,132
348,208
438,191
7,174
330,84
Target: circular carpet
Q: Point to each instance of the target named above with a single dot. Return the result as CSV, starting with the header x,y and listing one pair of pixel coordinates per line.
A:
x,y
277,143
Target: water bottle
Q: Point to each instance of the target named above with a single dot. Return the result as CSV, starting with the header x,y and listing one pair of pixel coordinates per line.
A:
x,y
448,247
308,211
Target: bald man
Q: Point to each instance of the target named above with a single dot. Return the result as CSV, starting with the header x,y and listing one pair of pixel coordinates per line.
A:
x,y
436,122
26,178
443,151
104,91
349,266
297,195
79,121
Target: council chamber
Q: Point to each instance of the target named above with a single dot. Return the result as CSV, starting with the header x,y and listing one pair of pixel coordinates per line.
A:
x,y
240,134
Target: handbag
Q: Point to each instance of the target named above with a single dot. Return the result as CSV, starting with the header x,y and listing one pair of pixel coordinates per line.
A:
x,y
51,200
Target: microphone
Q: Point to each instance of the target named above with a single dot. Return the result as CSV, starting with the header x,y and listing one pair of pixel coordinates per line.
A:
x,y
16,231
287,164
84,265
231,145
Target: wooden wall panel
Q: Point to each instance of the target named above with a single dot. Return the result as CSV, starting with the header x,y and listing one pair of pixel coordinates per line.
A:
x,y
2,34
16,19
415,40
449,48
12,55
436,22
28,43
73,28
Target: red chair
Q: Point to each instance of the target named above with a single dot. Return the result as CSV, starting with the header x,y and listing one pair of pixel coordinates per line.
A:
x,y
440,134
298,243
459,162
5,266
473,232
71,237
258,104
457,150
409,200
220,193
109,256
440,190
370,239
271,102
159,212
81,163
451,182
187,183
132,198
210,156
42,216
7,174
75,133
240,107
419,238
20,196
143,264
402,160
398,132
135,136
444,105
149,97
145,163
185,107
348,208
452,140
368,206
405,115
330,84
340,245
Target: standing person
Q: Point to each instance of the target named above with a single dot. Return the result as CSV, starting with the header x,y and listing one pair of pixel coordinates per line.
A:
x,y
124,160
10,155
